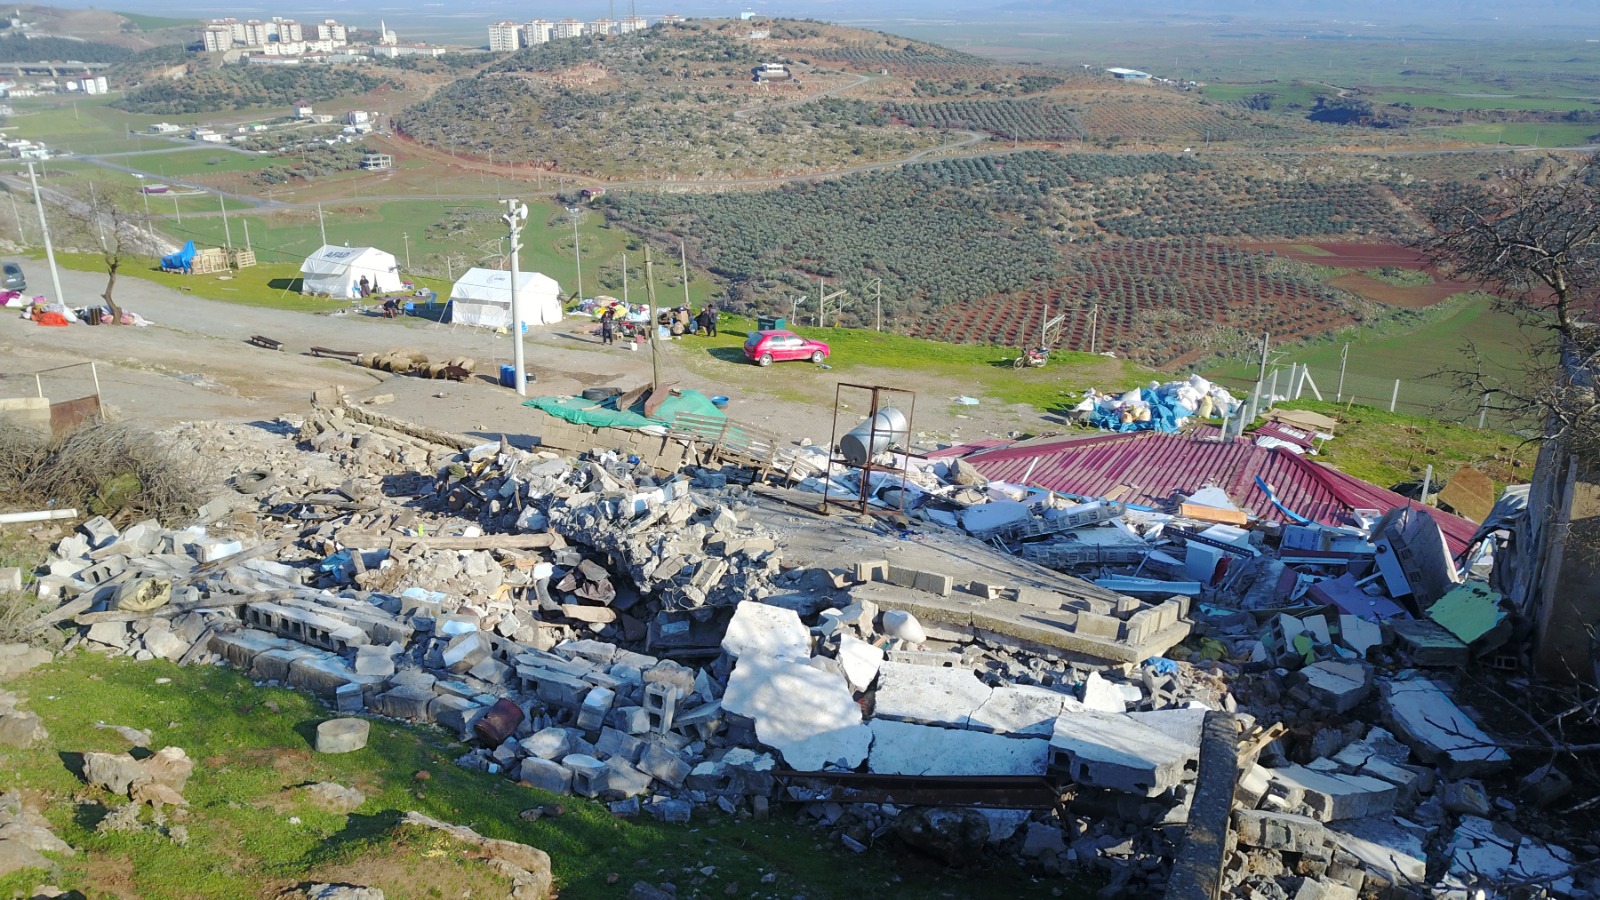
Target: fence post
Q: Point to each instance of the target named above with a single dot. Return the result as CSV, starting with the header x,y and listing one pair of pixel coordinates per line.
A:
x,y
1344,356
38,384
1394,397
1272,392
1483,408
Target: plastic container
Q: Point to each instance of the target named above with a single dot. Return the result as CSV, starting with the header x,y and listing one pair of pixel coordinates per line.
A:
x,y
719,402
508,376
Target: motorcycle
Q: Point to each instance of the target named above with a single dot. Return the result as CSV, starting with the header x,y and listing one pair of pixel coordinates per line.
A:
x,y
1033,359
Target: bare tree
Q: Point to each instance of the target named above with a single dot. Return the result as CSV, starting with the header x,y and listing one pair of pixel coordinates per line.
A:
x,y
107,221
1533,239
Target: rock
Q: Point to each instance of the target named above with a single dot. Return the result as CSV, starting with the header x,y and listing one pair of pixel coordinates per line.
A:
x,y
16,856
953,836
860,661
16,659
342,735
115,772
528,867
335,797
21,729
342,892
170,766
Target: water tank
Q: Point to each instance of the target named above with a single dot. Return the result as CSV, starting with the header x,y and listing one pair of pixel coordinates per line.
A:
x,y
887,428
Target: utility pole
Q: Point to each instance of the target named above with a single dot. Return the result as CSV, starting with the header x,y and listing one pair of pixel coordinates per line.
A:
x,y
515,215
175,210
246,233
44,229
794,306
227,233
94,208
577,250
655,330
1094,327
877,301
625,288
683,262
1265,337
407,238
322,226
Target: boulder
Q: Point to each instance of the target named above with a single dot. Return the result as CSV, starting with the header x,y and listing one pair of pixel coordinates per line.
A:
x,y
528,867
16,659
953,836
335,797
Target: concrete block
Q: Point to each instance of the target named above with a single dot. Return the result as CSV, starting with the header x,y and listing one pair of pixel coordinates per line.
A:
x,y
545,775
931,696
872,570
1284,832
342,735
860,661
1328,796
771,632
1021,709
1096,625
1385,846
588,774
1118,753
934,583
10,579
1335,685
903,748
1103,696
619,743
1422,715
660,704
404,702
549,743
111,634
592,715
664,765
807,715
99,532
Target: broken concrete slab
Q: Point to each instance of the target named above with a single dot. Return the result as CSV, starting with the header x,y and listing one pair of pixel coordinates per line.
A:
x,y
1021,709
1422,715
931,696
860,661
1484,853
1330,796
802,712
1335,685
1386,845
771,632
902,748
1118,753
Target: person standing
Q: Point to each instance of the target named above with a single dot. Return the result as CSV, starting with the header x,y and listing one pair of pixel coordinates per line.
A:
x,y
711,319
366,287
608,318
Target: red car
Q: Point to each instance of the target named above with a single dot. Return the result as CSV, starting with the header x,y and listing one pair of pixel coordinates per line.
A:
x,y
765,347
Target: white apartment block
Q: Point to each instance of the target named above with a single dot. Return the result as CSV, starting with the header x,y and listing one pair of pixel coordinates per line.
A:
x,y
632,23
536,32
289,29
256,33
333,30
217,38
95,84
505,37
601,27
567,28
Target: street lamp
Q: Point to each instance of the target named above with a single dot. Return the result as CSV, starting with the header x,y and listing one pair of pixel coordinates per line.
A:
x,y
577,249
515,215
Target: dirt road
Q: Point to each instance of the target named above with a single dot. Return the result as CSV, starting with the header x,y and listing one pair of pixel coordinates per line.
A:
x,y
194,362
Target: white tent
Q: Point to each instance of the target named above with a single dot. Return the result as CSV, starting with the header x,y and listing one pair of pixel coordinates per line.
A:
x,y
483,297
336,271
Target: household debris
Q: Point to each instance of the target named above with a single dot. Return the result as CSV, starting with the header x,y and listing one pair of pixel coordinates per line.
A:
x,y
672,643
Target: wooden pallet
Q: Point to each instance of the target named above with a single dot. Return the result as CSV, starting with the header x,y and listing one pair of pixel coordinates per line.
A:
x,y
261,340
242,259
337,354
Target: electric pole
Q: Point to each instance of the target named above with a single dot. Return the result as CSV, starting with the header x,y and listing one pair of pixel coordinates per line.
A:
x,y
655,329
515,215
44,229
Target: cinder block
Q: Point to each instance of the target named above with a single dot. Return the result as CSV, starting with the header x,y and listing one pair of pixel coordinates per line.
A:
x,y
934,583
901,576
872,570
1096,625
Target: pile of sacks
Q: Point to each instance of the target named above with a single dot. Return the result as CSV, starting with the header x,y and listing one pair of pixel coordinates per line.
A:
x,y
1158,407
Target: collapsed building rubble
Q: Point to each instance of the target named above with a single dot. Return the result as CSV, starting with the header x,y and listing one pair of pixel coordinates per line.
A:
x,y
669,643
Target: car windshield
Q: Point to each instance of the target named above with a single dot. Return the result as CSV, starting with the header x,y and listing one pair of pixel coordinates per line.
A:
x,y
13,269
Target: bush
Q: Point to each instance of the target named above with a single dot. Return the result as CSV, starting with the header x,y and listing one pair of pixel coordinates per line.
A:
x,y
117,470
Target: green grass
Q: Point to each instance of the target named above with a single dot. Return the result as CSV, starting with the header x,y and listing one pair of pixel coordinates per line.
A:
x,y
154,23
1284,94
251,745
1386,448
1525,134
200,161
1495,100
985,371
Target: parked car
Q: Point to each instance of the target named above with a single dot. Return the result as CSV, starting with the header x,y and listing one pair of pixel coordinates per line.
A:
x,y
12,278
766,347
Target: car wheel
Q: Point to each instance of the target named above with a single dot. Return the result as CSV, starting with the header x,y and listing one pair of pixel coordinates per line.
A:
x,y
816,357
764,360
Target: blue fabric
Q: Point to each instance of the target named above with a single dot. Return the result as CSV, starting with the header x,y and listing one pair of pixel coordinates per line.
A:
x,y
1164,415
181,260
1162,665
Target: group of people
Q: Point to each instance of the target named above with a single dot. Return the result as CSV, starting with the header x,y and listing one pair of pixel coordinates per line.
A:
x,y
679,320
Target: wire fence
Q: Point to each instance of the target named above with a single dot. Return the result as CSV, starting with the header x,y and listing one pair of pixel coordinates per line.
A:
x,y
1434,398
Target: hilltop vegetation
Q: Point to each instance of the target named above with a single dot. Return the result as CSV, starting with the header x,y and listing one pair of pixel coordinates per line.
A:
x,y
242,87
16,48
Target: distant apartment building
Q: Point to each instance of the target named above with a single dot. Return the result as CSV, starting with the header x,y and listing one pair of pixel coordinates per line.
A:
x,y
536,32
257,33
632,23
393,51
505,37
567,28
92,84
289,29
670,19
333,30
216,38
601,27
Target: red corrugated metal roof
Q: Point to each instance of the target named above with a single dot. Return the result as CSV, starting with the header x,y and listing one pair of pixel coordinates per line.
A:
x,y
1148,469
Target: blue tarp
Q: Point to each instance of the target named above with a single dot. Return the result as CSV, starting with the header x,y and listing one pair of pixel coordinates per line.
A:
x,y
180,261
1164,415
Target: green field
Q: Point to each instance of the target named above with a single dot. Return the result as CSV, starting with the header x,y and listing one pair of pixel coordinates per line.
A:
x,y
1525,134
154,23
199,161
1283,93
1483,101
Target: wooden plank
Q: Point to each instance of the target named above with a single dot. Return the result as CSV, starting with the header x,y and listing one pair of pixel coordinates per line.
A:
x,y
657,397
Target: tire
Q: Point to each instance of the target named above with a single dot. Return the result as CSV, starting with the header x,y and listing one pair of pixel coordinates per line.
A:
x,y
817,357
764,360
253,482
601,393
1022,362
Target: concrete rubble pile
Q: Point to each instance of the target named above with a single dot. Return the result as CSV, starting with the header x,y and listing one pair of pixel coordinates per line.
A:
x,y
598,628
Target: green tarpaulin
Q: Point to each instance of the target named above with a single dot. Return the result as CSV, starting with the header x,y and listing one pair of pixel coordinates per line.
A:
x,y
604,413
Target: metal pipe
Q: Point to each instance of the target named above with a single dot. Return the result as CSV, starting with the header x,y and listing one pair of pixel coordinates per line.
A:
x,y
40,516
